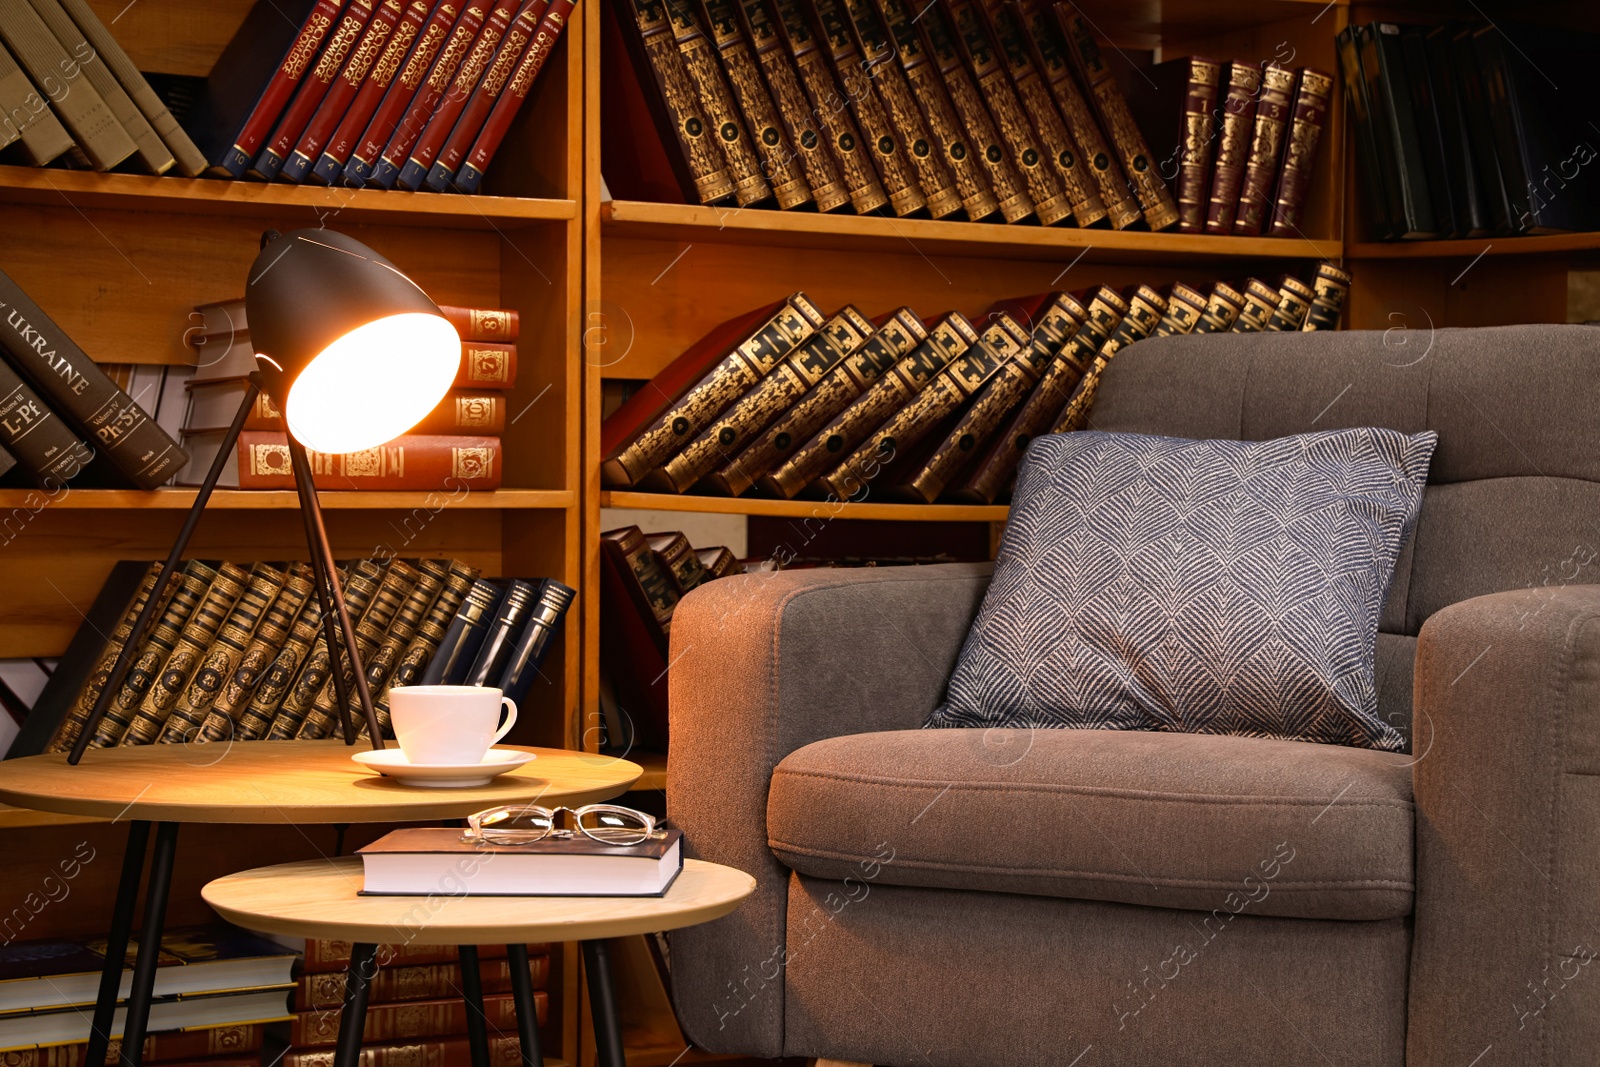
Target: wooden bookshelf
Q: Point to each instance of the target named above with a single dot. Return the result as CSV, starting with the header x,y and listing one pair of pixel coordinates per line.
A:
x,y
804,509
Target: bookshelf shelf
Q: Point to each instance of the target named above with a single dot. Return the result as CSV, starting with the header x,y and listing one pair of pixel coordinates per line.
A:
x,y
805,509
256,500
1551,244
203,196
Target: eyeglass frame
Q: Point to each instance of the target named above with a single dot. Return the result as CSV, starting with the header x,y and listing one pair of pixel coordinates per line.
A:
x,y
475,832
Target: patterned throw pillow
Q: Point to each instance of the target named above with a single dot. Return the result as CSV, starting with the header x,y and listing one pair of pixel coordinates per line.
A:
x,y
1220,587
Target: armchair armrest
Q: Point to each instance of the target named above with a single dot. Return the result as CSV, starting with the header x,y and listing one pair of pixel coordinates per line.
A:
x,y
763,664
1507,782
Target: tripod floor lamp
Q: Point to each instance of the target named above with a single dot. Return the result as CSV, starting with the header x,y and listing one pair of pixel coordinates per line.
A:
x,y
354,354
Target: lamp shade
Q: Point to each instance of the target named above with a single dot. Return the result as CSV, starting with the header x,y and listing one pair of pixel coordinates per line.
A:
x,y
352,350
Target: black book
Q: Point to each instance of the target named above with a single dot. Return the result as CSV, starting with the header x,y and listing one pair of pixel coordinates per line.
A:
x,y
501,634
60,693
1480,129
30,431
1449,202
1394,118
1374,183
1473,218
464,636
550,604
79,391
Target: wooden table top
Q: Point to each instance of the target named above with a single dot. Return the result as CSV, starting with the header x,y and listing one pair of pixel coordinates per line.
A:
x,y
285,782
318,898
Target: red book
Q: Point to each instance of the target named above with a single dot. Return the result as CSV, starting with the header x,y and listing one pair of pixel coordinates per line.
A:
x,y
469,179
409,462
495,38
386,116
430,94
212,406
485,365
436,981
522,31
416,1019
483,324
313,87
354,121
344,89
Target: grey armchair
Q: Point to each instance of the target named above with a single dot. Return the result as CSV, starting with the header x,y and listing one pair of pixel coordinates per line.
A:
x,y
1006,898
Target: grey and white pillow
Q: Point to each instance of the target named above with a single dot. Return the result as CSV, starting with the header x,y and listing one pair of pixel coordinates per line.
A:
x,y
1224,587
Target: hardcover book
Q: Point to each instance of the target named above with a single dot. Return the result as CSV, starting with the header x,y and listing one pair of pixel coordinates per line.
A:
x,y
700,62
32,434
652,590
1233,146
359,583
341,92
380,663
501,633
1312,97
1145,308
411,861
256,719
313,87
33,127
677,558
463,637
325,716
1294,300
409,462
1222,308
403,88
271,634
409,1020
187,590
1329,287
1394,121
431,632
373,89
74,99
399,984
1266,147
1260,301
1185,306
543,626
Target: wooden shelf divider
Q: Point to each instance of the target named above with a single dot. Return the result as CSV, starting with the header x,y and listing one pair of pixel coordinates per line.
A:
x,y
275,500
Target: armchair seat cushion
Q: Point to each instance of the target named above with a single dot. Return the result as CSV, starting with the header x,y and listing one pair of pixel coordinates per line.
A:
x,y
1218,824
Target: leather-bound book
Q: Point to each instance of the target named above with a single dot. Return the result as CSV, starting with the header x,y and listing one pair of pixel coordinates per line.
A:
x,y
30,431
768,399
79,105
889,156
947,340
719,562
649,586
431,631
313,88
365,149
463,637
447,110
1480,143
674,553
80,393
39,135
319,1028
1001,341
854,154
408,462
380,663
323,720
1472,207
761,120
433,981
486,365
894,337
1196,83
1330,287
674,100
717,104
633,660
928,162
995,403
991,476
256,720
803,133
1294,300
339,94
696,387
218,663
1399,144
476,109
1313,94
944,127
1372,190
1223,305
233,696
1049,50
1266,148
469,178
316,672
498,325
1050,202
465,411
1443,181
1260,301
550,604
1185,306
1155,199
322,955
253,80
1071,164
1145,308
374,87
473,25
983,142
509,617
179,668
187,589
504,1048
1233,146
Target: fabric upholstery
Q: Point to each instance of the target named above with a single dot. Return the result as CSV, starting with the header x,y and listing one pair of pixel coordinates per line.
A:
x,y
763,664
1165,820
1211,587
911,977
1508,831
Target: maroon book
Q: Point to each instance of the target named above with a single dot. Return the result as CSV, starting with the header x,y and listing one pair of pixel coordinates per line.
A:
x,y
522,33
336,102
313,87
355,118
386,116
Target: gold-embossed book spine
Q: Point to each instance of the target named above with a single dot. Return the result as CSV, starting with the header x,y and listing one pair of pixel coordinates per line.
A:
x,y
1260,301
1223,305
1294,300
1185,306
399,578
72,723
1199,133
430,633
219,661
363,581
704,69
1145,308
1233,146
1331,286
256,719
227,709
761,121
1266,148
158,642
1312,98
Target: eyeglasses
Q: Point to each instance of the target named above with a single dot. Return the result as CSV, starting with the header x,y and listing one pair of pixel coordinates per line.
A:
x,y
523,824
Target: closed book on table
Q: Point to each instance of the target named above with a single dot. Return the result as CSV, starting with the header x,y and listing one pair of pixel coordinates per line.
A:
x,y
341,91
35,129
76,102
1233,146
464,636
412,861
1313,95
409,462
314,85
31,433
1273,106
374,86
363,155
79,391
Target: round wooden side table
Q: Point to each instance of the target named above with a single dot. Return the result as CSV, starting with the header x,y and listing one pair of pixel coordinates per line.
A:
x,y
258,782
319,899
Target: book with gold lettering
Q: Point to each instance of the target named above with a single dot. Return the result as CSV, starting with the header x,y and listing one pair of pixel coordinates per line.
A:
x,y
359,585
1330,286
314,85
724,126
370,93
1312,98
382,663
452,463
1233,145
1294,300
464,129
1145,308
677,557
649,585
1185,306
271,633
460,584
256,719
342,91
1175,104
187,589
1260,301
1223,305
1266,149
373,622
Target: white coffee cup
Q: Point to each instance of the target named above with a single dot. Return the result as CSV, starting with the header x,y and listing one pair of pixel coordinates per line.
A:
x,y
448,724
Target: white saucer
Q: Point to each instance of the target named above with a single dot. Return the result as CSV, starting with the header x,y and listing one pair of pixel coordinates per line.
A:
x,y
392,763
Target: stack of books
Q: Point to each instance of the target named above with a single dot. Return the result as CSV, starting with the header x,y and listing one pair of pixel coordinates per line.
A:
x,y
216,987
1472,130
456,447
787,401
238,652
61,415
415,1014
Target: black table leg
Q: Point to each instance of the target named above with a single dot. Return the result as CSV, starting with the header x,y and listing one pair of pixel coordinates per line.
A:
x,y
353,1018
472,994
144,968
527,1010
105,1004
603,1004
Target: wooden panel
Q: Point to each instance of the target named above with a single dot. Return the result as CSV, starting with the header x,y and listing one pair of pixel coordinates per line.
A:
x,y
173,36
536,280
542,153
1410,298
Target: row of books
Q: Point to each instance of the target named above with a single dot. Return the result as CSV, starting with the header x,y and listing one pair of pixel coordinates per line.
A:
x,y
418,94
974,107
1472,130
456,447
787,401
240,652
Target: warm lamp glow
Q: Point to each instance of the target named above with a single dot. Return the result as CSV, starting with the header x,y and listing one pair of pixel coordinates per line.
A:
x,y
374,383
